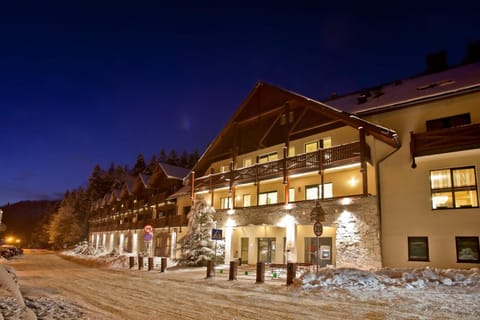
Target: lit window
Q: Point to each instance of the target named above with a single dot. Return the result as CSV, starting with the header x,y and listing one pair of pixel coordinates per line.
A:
x,y
268,157
311,146
291,195
225,203
247,200
224,168
315,191
247,162
267,198
454,188
291,151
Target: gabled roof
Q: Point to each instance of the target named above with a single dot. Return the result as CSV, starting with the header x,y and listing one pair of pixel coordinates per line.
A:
x,y
270,114
174,172
402,93
183,191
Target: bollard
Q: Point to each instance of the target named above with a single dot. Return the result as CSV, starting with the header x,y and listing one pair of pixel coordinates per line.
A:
x,y
209,268
150,263
291,272
164,265
233,270
140,262
131,261
260,272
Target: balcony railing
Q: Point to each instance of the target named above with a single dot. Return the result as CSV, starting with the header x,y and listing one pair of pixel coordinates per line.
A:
x,y
313,161
445,140
161,222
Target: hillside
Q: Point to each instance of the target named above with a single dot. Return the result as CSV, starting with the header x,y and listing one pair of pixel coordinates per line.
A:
x,y
23,218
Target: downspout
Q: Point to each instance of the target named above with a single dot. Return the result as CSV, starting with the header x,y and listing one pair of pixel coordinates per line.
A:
x,y
379,201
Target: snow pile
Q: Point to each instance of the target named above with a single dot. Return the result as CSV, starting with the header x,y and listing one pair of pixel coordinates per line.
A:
x,y
86,254
10,287
381,279
84,248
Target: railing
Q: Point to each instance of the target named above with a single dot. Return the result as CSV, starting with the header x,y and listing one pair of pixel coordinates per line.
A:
x,y
160,222
330,158
444,140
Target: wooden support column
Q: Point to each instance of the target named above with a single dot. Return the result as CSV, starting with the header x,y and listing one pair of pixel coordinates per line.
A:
x,y
193,188
211,188
320,168
363,160
257,181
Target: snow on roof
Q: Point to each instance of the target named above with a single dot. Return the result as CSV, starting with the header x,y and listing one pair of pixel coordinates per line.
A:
x,y
401,92
174,172
185,190
145,179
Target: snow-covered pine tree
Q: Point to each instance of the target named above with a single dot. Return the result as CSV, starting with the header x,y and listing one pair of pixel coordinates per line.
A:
x,y
197,247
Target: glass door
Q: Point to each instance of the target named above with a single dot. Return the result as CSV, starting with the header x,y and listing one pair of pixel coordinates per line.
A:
x,y
244,250
266,250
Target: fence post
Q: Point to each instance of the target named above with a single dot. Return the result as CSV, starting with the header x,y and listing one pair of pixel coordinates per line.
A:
x,y
140,262
131,261
209,268
233,270
260,272
164,265
291,272
150,263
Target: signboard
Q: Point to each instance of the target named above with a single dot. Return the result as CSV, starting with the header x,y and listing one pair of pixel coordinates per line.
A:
x,y
318,228
148,229
216,234
148,237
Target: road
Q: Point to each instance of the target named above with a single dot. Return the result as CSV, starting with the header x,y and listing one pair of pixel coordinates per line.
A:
x,y
101,293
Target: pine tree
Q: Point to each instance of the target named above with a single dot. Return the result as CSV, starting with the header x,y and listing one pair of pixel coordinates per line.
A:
x,y
151,166
139,166
184,159
173,158
193,159
197,247
162,156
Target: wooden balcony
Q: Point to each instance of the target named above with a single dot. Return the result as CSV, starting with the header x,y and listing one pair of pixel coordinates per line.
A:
x,y
161,222
444,140
314,161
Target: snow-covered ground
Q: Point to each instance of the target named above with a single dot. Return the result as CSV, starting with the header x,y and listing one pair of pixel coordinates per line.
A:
x,y
56,288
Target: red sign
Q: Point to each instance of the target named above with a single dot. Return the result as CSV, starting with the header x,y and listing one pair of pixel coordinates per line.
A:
x,y
148,229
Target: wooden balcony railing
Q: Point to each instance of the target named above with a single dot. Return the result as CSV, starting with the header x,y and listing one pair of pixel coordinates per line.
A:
x,y
444,140
313,161
162,222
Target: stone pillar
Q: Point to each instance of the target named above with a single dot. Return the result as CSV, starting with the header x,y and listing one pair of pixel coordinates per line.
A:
x,y
233,270
260,272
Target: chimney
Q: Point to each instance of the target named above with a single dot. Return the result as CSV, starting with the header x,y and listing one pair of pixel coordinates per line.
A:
x,y
437,62
473,52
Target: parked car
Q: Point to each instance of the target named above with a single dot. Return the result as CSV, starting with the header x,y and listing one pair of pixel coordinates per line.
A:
x,y
13,249
5,253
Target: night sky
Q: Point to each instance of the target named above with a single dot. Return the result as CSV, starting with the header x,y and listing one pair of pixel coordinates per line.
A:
x,y
91,82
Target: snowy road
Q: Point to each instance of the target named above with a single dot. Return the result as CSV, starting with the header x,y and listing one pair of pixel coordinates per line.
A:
x,y
102,293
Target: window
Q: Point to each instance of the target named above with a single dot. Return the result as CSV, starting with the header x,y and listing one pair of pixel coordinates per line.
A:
x,y
225,203
247,162
467,249
291,151
267,198
247,200
314,192
291,195
268,157
418,249
186,210
224,168
311,146
454,188
449,122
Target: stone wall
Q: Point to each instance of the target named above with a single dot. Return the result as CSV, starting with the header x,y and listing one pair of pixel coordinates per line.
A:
x,y
357,226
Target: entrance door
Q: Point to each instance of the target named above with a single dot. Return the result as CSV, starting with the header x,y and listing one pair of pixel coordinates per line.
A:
x,y
244,250
318,250
266,250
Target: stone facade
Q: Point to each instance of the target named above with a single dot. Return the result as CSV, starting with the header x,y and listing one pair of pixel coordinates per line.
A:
x,y
357,226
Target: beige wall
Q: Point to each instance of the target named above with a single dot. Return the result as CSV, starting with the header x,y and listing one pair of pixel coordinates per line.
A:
x,y
405,192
